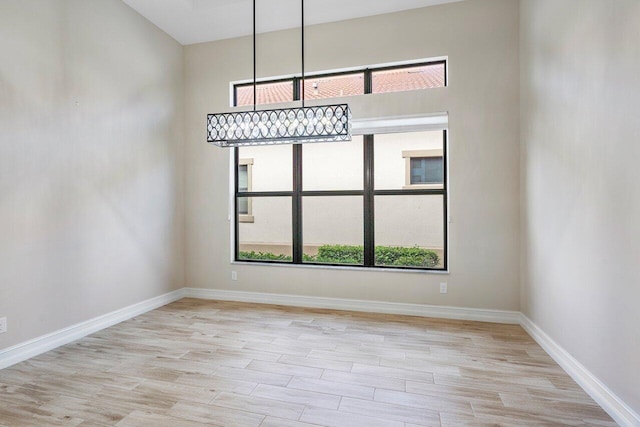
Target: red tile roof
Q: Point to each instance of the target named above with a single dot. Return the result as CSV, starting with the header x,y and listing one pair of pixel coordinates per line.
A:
x,y
392,80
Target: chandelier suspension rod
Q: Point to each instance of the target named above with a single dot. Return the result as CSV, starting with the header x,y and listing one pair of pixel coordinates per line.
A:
x,y
291,125
302,43
254,56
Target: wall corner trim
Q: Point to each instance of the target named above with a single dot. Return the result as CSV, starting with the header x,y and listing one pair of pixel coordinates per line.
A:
x,y
422,310
28,349
615,407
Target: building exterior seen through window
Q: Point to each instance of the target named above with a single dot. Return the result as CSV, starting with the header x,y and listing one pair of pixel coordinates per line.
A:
x,y
397,78
243,185
424,168
245,169
400,79
266,92
376,201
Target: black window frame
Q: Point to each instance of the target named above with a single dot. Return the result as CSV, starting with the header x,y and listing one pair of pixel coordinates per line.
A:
x,y
368,194
367,78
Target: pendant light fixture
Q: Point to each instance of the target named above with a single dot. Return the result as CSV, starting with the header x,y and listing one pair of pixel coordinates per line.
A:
x,y
326,123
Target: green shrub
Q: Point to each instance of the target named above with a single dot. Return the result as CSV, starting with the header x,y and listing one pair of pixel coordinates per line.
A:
x,y
309,258
347,254
263,256
340,254
412,257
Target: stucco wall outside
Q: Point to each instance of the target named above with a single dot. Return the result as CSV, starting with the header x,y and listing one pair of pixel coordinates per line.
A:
x,y
400,220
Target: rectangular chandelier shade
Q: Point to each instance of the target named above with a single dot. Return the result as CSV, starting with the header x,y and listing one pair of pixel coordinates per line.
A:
x,y
326,123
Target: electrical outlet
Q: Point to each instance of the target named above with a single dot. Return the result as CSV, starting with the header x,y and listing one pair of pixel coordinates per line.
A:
x,y
3,325
234,275
443,287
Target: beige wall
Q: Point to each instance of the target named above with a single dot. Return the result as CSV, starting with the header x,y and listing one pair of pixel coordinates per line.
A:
x,y
481,40
91,163
580,193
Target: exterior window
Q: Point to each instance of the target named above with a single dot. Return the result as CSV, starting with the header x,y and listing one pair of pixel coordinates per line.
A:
x,y
245,211
326,85
424,168
376,201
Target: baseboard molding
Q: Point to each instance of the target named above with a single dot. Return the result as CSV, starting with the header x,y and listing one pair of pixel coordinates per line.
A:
x,y
26,350
444,312
615,407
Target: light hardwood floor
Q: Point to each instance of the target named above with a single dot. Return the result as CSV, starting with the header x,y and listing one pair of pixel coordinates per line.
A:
x,y
198,362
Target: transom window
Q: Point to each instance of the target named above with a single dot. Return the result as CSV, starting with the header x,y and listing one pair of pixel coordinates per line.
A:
x,y
384,79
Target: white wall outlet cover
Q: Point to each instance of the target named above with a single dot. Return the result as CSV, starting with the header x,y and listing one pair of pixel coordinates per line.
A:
x,y
3,325
443,288
234,275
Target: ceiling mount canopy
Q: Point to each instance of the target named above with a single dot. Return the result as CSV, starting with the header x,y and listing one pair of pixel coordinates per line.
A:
x,y
325,123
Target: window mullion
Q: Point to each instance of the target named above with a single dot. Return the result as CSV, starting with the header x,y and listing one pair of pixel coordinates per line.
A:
x,y
445,200
296,204
296,88
368,82
236,160
369,225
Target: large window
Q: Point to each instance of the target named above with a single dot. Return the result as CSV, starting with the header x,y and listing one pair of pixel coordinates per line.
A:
x,y
367,80
376,201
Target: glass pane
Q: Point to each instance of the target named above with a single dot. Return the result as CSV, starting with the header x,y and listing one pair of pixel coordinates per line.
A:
x,y
271,167
409,78
394,169
243,178
333,230
333,166
243,205
268,237
334,86
426,170
410,231
268,93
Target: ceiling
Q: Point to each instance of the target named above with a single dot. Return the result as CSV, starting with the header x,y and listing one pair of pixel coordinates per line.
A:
x,y
196,21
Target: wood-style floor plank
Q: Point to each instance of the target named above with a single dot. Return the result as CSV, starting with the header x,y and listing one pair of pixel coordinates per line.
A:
x,y
198,362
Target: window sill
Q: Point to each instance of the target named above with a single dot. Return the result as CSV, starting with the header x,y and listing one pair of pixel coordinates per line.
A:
x,y
342,267
245,218
422,187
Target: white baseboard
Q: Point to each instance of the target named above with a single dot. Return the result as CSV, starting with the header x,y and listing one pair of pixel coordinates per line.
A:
x,y
26,350
615,407
444,312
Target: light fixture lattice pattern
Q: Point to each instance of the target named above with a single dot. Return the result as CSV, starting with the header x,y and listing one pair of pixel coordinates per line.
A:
x,y
326,123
